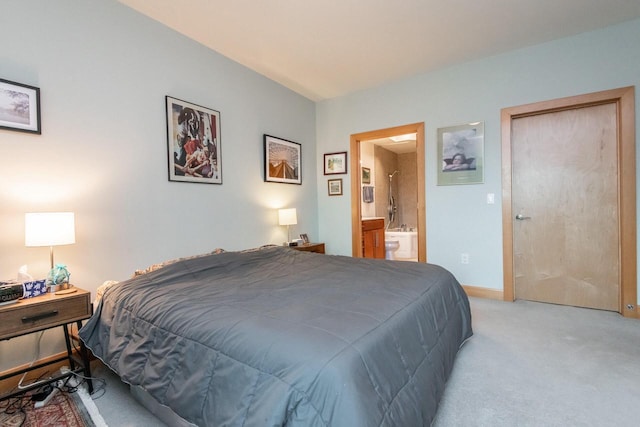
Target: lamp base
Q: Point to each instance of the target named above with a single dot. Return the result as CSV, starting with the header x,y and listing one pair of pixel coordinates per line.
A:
x,y
59,287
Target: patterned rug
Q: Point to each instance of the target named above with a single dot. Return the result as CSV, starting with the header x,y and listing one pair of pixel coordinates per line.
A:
x,y
64,410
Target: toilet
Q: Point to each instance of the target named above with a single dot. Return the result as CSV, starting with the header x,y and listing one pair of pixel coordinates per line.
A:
x,y
390,246
408,245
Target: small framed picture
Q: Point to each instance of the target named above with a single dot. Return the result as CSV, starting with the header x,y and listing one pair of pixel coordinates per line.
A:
x,y
366,176
335,163
193,141
335,187
19,107
282,160
304,237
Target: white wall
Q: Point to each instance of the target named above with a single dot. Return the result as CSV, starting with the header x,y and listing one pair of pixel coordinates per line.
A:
x,y
104,71
458,217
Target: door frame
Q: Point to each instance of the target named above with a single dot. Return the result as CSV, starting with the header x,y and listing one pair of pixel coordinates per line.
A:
x,y
356,185
624,98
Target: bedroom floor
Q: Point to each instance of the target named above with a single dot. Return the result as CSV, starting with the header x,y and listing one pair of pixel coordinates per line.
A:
x,y
116,405
534,364
528,364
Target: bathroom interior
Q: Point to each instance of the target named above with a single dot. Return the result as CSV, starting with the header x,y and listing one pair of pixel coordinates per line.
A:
x,y
389,193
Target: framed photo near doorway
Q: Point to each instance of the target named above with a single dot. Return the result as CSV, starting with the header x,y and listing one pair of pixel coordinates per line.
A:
x,y
335,187
366,175
461,154
335,163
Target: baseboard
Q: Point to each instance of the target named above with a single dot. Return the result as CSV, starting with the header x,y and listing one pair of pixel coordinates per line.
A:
x,y
487,293
9,384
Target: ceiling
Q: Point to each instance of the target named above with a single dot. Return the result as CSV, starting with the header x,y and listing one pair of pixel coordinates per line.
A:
x,y
402,144
325,49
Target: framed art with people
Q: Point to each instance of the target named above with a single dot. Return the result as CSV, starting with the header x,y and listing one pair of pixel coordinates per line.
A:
x,y
193,142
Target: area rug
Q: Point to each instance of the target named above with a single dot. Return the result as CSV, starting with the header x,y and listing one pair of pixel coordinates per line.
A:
x,y
65,410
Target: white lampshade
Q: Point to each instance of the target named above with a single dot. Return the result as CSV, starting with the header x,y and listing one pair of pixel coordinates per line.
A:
x,y
49,229
287,216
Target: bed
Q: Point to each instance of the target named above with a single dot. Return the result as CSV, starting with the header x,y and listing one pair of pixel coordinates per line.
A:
x,y
279,337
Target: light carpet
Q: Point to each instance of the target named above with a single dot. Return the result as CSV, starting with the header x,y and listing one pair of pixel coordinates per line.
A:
x,y
534,364
528,364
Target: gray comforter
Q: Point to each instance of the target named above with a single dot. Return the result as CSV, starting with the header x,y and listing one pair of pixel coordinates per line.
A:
x,y
279,337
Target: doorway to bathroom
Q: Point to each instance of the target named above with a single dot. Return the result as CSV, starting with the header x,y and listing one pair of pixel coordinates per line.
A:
x,y
388,188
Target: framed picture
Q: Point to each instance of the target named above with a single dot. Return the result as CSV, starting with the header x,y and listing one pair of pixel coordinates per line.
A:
x,y
19,107
335,163
282,160
366,176
461,154
304,237
193,143
335,187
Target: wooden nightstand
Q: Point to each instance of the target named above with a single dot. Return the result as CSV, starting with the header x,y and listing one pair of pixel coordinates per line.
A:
x,y
48,311
310,247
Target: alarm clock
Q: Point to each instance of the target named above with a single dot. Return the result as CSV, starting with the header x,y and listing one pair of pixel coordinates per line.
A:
x,y
10,292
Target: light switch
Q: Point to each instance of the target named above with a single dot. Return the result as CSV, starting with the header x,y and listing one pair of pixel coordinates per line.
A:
x,y
491,198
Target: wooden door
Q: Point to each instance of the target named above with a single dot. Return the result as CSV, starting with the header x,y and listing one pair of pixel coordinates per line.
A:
x,y
565,206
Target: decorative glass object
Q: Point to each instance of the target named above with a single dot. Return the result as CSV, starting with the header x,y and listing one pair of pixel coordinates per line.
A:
x,y
58,277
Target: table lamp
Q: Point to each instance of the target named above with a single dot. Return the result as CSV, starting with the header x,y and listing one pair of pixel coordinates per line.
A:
x,y
49,229
287,217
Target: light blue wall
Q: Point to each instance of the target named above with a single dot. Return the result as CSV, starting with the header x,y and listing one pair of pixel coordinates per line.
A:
x,y
458,217
104,71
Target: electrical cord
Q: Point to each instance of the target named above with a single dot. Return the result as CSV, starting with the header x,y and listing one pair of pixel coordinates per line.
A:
x,y
25,401
35,359
102,388
18,403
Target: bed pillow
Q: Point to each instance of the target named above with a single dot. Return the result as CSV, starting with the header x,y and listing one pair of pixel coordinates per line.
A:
x,y
259,248
102,289
154,267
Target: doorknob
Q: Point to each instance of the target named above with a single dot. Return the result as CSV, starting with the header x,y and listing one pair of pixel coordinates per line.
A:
x,y
522,217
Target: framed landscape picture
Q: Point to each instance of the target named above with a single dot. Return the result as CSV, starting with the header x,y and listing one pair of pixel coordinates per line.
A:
x,y
461,154
335,163
19,107
282,159
193,142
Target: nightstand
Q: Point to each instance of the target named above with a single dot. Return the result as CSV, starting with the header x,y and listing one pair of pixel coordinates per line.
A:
x,y
310,247
49,311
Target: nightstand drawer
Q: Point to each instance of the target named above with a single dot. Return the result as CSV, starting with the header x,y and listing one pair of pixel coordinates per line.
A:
x,y
43,312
